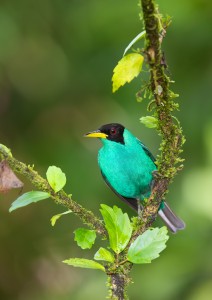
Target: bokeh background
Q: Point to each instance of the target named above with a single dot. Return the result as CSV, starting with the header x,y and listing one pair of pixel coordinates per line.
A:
x,y
56,62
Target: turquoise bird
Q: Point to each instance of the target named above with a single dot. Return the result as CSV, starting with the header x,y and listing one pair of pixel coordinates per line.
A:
x,y
127,167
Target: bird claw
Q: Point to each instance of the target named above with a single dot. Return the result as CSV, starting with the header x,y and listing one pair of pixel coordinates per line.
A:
x,y
156,174
140,209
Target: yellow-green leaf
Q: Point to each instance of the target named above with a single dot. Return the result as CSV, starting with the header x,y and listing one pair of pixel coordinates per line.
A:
x,y
137,38
149,121
104,254
56,217
118,227
56,178
85,238
127,69
84,263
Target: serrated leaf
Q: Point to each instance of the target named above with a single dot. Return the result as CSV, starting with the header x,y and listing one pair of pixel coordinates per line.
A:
x,y
149,121
28,198
56,178
84,263
104,254
118,226
148,246
137,38
85,238
127,68
56,217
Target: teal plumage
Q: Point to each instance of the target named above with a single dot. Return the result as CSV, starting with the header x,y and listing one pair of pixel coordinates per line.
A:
x,y
127,167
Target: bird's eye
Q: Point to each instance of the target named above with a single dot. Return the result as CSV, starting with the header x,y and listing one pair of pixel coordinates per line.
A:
x,y
113,131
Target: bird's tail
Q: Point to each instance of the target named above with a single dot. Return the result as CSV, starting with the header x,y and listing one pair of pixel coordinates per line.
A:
x,y
170,219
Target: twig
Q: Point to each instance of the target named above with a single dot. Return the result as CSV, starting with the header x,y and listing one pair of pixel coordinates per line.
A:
x,y
61,197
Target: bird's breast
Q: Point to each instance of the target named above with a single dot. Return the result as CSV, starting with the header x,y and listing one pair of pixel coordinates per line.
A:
x,y
128,172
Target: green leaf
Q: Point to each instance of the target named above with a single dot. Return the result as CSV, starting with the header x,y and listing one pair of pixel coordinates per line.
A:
x,y
104,254
56,217
85,238
56,178
137,38
127,69
118,226
28,198
84,263
149,121
148,245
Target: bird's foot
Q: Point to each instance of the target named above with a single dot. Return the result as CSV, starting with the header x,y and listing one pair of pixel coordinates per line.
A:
x,y
156,174
140,208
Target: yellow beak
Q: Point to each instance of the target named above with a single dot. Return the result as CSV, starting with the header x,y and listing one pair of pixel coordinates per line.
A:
x,y
96,134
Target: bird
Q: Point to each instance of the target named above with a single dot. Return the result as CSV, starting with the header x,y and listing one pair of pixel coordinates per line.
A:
x,y
127,167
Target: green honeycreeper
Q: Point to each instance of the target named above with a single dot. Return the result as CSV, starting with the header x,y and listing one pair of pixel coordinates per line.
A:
x,y
127,167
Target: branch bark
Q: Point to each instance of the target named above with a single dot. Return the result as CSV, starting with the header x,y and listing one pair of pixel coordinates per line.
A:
x,y
87,217
168,126
117,286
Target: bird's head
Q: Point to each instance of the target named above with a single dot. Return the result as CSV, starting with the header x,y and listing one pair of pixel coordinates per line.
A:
x,y
113,132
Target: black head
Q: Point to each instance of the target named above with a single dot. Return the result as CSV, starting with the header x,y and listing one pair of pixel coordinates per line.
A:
x,y
114,132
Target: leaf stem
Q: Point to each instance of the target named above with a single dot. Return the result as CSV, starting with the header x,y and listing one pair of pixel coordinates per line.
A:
x,y
123,262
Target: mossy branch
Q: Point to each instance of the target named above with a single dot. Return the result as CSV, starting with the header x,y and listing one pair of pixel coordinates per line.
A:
x,y
87,217
168,126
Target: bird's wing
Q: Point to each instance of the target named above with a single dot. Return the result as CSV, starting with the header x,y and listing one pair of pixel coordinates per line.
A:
x,y
151,156
147,151
132,202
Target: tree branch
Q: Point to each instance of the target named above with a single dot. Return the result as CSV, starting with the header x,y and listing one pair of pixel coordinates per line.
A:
x,y
60,197
117,284
168,126
119,280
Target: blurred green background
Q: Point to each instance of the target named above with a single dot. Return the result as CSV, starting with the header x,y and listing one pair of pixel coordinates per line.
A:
x,y
56,61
